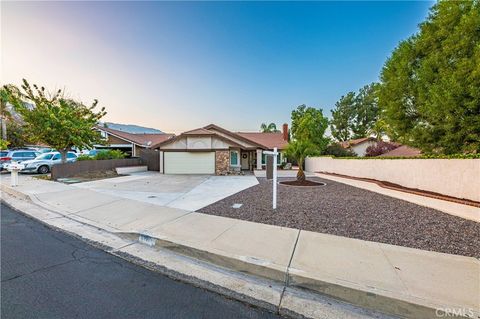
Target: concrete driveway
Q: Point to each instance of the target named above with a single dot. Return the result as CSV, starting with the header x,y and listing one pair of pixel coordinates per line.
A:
x,y
187,192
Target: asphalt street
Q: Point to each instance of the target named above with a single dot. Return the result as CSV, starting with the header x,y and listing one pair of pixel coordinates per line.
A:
x,y
49,274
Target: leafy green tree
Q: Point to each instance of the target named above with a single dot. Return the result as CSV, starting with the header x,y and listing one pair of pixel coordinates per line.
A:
x,y
299,150
341,122
337,150
309,124
3,144
270,128
56,120
5,114
365,112
430,90
16,135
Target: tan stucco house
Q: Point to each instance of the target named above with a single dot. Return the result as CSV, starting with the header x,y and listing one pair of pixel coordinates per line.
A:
x,y
215,150
359,146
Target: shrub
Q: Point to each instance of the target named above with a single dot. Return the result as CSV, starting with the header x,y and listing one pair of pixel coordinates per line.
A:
x,y
110,154
380,148
84,157
338,151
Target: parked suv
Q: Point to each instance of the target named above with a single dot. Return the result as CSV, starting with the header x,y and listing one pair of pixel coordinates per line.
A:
x,y
19,155
43,163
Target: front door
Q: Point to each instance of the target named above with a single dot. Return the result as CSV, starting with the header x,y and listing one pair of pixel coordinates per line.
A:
x,y
245,160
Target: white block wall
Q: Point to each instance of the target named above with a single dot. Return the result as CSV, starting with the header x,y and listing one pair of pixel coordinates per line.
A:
x,y
453,177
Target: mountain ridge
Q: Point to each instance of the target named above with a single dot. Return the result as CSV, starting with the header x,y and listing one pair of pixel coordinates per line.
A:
x,y
132,128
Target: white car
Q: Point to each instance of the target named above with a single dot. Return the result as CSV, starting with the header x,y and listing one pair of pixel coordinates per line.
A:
x,y
43,163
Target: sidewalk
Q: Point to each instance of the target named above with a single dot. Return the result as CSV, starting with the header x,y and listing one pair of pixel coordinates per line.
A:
x,y
391,279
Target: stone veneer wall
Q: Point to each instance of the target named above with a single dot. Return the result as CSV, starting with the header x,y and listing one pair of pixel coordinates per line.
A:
x,y
222,162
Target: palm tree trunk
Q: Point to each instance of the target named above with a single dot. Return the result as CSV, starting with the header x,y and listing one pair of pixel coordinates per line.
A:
x,y
300,174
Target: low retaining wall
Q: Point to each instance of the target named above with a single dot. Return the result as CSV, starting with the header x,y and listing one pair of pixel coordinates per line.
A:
x,y
79,167
452,177
131,169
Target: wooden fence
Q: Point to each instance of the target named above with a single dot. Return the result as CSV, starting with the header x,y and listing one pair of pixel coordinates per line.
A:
x,y
80,167
150,158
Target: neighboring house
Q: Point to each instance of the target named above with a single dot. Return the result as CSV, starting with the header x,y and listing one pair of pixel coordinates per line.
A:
x,y
215,150
403,151
359,146
128,142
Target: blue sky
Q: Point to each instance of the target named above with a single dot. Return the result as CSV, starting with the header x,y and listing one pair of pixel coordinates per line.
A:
x,y
177,66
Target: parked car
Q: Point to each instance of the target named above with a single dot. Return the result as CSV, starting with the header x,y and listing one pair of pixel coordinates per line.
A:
x,y
43,163
46,150
17,155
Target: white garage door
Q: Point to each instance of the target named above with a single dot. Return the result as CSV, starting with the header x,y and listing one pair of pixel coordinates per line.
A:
x,y
189,162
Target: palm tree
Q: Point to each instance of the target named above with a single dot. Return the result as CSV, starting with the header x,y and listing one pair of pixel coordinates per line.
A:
x,y
299,150
270,128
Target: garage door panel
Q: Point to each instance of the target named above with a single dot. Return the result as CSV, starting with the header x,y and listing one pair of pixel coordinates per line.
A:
x,y
189,162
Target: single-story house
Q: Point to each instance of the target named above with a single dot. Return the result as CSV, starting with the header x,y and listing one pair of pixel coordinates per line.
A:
x,y
359,146
128,142
215,150
403,151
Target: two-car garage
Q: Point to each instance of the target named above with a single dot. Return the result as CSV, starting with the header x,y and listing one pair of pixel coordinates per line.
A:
x,y
189,162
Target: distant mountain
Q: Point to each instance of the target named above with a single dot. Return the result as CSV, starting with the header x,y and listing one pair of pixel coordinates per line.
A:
x,y
130,128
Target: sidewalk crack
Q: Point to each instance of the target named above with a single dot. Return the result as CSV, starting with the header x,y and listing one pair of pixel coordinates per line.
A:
x,y
287,272
223,232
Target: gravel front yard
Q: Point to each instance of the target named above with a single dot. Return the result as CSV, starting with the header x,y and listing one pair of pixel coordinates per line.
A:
x,y
348,211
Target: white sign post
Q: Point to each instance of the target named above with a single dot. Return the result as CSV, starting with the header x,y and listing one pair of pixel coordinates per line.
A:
x,y
14,168
275,154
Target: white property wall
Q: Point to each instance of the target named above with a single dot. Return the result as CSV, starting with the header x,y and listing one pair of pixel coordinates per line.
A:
x,y
453,177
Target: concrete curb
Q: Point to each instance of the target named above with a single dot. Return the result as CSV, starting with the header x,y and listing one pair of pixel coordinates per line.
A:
x,y
274,276
271,295
12,191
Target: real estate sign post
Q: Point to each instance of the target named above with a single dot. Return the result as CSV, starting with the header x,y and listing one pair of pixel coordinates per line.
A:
x,y
274,154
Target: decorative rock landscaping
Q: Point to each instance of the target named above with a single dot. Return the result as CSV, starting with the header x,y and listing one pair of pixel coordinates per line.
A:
x,y
348,211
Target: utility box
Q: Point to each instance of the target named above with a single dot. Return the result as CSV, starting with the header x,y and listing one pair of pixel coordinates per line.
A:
x,y
269,166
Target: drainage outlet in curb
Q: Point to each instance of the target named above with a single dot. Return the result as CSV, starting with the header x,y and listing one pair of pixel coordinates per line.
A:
x,y
147,240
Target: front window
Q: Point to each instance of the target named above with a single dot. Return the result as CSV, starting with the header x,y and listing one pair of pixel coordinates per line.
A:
x,y
71,155
234,158
264,159
45,157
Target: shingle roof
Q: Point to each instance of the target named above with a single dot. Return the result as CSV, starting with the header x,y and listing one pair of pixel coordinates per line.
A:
x,y
198,131
404,150
139,139
268,140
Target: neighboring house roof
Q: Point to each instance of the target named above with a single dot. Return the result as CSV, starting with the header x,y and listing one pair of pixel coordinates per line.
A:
x,y
404,151
350,143
139,139
268,140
